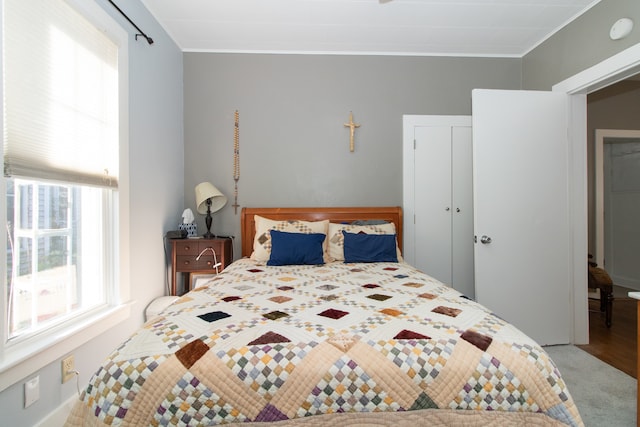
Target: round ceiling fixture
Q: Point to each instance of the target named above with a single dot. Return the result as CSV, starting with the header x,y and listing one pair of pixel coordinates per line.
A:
x,y
621,29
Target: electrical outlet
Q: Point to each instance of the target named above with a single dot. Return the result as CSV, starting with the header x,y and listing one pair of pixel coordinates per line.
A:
x,y
31,391
68,368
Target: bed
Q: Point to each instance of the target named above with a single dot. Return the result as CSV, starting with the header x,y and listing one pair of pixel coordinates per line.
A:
x,y
319,322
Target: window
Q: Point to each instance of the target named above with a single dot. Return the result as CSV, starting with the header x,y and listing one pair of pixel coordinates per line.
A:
x,y
55,259
63,73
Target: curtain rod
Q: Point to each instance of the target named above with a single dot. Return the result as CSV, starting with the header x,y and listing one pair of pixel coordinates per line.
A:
x,y
140,32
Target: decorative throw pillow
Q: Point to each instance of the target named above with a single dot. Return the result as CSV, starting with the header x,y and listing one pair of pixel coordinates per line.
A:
x,y
336,238
296,248
363,247
262,240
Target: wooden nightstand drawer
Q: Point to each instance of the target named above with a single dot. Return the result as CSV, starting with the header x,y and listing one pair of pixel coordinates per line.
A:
x,y
186,247
198,256
186,262
190,263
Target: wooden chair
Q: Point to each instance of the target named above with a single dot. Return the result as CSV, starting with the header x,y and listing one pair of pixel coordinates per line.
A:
x,y
600,279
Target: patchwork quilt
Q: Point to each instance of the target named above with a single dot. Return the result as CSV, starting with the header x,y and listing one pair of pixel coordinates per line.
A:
x,y
313,343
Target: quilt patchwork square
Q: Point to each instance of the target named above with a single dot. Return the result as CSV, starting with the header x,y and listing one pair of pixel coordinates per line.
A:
x,y
213,316
333,313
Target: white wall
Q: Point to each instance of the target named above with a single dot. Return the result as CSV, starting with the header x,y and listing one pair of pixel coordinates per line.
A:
x,y
156,202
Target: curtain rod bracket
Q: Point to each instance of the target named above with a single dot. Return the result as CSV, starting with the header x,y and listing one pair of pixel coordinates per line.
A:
x,y
149,39
140,32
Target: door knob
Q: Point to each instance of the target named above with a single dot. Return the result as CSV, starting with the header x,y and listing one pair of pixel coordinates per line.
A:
x,y
485,240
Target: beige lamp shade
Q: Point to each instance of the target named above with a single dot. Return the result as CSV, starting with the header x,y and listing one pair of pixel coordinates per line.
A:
x,y
206,191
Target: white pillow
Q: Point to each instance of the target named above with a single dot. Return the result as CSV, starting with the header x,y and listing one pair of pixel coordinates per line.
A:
x,y
262,240
336,238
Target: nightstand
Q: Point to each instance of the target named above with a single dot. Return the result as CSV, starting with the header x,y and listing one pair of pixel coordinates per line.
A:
x,y
197,256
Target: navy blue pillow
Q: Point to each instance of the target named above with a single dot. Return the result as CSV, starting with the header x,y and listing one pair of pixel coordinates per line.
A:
x,y
296,248
369,247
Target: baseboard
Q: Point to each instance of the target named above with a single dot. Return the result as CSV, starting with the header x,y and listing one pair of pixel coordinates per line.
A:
x,y
627,282
58,417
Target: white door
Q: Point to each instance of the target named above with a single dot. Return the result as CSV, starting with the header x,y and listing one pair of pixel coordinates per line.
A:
x,y
433,201
438,198
462,272
521,203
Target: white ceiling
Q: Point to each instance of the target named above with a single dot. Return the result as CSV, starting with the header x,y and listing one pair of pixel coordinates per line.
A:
x,y
508,28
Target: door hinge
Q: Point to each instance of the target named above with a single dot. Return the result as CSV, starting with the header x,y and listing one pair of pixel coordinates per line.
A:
x,y
414,144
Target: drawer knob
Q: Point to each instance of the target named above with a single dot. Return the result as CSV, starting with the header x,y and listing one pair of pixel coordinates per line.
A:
x,y
187,262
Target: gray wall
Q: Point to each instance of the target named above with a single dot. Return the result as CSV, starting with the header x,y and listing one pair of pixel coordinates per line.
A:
x,y
156,191
580,45
294,147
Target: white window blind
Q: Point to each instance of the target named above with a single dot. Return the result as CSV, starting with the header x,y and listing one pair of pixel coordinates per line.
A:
x,y
61,100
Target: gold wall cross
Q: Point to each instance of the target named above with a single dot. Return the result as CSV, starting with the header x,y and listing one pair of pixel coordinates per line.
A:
x,y
352,127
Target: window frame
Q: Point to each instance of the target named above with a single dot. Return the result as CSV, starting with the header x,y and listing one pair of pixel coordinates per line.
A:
x,y
24,356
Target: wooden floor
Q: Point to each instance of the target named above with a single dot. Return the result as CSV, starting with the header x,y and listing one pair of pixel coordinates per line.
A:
x,y
616,345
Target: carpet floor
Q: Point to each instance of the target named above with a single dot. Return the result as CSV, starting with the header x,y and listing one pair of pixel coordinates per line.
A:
x,y
604,395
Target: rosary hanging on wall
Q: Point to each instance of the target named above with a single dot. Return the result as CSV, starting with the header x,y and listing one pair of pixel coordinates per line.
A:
x,y
236,160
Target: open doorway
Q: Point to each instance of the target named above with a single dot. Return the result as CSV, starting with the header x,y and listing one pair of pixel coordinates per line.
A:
x,y
612,118
612,70
617,202
612,115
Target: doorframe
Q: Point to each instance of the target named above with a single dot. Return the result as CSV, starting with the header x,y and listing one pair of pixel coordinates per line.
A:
x,y
611,70
601,135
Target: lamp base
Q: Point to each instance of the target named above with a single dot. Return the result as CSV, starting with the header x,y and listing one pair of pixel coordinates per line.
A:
x,y
208,220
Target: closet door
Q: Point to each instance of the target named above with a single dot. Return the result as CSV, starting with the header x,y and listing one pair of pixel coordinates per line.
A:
x,y
432,157
462,269
438,198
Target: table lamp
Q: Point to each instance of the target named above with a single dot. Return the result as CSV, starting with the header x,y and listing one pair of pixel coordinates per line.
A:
x,y
208,200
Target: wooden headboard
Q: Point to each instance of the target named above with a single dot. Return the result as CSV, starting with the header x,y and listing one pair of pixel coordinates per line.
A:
x,y
338,215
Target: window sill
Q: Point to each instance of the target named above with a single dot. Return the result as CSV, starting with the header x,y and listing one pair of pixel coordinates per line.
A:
x,y
24,360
